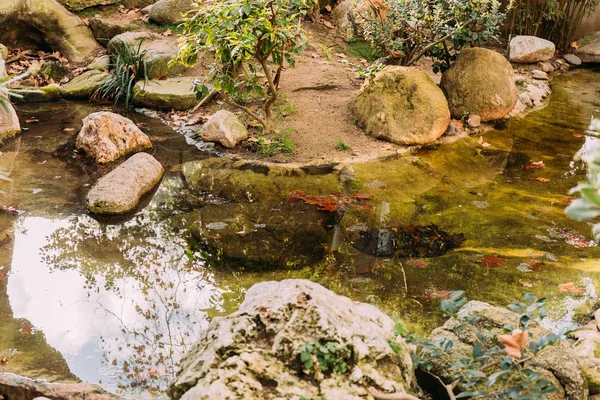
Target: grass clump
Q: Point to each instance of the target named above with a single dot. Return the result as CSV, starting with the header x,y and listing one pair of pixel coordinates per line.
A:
x,y
280,143
342,146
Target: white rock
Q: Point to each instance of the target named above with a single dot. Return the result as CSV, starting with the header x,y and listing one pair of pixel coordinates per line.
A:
x,y
530,49
224,127
540,75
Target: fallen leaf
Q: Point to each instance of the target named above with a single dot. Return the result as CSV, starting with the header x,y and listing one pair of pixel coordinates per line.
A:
x,y
566,200
168,32
328,8
493,261
577,135
69,130
32,120
437,294
328,24
574,45
526,284
514,342
161,78
536,165
482,143
419,263
569,288
540,179
340,55
4,360
534,264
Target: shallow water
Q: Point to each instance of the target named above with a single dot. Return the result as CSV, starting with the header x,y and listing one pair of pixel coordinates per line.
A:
x,y
119,301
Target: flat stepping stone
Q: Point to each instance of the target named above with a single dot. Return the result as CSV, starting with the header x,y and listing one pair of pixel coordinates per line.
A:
x,y
166,94
83,86
120,190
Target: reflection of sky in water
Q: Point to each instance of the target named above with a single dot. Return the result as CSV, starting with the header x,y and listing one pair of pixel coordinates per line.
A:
x,y
87,321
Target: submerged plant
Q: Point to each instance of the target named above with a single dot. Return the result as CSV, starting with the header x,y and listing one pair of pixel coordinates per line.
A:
x,y
129,67
251,41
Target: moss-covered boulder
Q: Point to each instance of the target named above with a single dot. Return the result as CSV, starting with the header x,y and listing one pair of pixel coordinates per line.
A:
x,y
83,86
78,5
589,48
39,94
167,94
480,82
402,105
166,12
100,63
46,23
9,122
55,70
3,51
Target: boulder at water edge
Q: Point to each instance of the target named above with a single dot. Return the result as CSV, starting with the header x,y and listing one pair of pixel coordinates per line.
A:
x,y
589,48
557,363
254,353
402,105
106,136
166,94
120,191
166,12
480,82
224,127
9,122
530,49
45,23
84,85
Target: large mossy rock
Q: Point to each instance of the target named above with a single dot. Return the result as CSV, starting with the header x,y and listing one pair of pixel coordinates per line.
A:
x,y
254,353
106,136
120,190
45,24
84,85
480,82
402,105
557,363
9,122
159,52
167,12
589,48
39,95
166,94
78,5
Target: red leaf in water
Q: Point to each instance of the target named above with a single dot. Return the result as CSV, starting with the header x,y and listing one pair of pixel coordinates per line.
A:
x,y
493,261
418,262
437,294
566,200
569,288
534,264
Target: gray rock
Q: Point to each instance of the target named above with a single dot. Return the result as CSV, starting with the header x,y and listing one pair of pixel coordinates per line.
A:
x,y
146,10
120,191
535,93
100,63
166,12
53,25
224,127
260,343
530,49
557,364
84,85
402,105
589,48
159,52
167,94
40,94
106,136
104,30
540,75
474,121
546,67
572,59
9,122
525,99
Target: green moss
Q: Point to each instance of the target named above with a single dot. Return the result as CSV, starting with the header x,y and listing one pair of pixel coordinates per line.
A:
x,y
361,49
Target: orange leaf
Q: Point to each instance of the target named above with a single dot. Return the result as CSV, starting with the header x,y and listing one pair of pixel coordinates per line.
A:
x,y
437,294
569,288
536,165
574,45
514,342
493,261
525,283
539,179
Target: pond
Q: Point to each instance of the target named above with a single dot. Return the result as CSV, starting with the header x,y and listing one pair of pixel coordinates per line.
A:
x,y
119,301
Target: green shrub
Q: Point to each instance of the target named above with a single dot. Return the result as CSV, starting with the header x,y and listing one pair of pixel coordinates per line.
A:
x,y
342,146
248,39
407,30
128,66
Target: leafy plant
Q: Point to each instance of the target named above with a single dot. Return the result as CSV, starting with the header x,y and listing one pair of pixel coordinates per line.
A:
x,y
279,143
251,41
342,146
284,107
328,357
407,30
500,366
588,206
129,67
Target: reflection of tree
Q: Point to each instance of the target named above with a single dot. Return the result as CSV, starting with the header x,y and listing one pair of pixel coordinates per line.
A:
x,y
141,274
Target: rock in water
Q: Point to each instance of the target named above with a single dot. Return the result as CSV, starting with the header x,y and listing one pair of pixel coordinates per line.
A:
x,y
9,122
120,191
480,82
530,49
106,136
52,26
254,353
572,59
589,48
166,12
84,85
166,94
402,105
224,127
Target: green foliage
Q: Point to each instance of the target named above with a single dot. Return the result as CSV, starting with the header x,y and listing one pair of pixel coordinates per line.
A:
x,y
342,146
284,107
588,206
361,49
407,30
327,357
488,372
278,143
248,38
128,66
